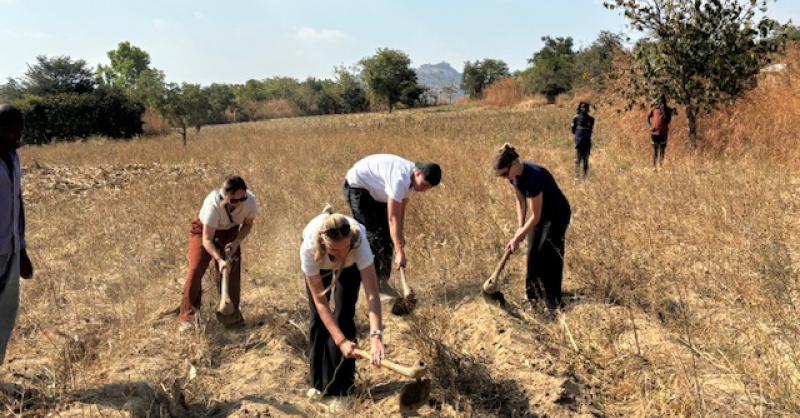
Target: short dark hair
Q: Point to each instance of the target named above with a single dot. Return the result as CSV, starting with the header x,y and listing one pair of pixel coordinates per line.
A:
x,y
9,115
232,184
431,172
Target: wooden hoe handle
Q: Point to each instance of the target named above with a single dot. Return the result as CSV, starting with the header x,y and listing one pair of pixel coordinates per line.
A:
x,y
492,284
413,372
406,288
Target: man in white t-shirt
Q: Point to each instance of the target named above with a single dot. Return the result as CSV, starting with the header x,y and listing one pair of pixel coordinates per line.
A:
x,y
377,189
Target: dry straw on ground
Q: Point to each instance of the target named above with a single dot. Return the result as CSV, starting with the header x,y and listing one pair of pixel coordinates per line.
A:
x,y
681,283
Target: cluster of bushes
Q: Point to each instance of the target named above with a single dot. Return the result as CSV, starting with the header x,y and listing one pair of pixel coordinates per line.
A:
x,y
70,116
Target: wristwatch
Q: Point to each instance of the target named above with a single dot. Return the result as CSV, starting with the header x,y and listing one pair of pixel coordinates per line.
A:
x,y
376,334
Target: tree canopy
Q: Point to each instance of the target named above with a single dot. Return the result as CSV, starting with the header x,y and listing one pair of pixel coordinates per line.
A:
x,y
50,76
388,74
127,64
478,75
699,53
552,70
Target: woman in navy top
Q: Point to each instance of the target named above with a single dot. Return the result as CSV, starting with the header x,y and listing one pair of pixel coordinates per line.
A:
x,y
536,189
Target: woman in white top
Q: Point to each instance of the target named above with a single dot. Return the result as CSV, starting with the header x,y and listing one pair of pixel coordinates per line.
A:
x,y
334,244
225,220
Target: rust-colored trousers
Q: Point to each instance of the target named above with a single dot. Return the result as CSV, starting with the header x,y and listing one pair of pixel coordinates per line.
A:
x,y
199,259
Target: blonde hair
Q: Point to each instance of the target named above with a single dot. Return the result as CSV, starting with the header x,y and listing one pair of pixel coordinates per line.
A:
x,y
504,157
335,221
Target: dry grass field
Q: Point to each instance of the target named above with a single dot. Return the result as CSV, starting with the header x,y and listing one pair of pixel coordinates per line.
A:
x,y
681,284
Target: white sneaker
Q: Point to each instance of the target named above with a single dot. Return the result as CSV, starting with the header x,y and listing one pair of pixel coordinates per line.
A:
x,y
314,395
187,326
340,404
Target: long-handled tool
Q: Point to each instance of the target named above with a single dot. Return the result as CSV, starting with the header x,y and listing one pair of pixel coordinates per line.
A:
x,y
413,394
225,305
404,305
491,287
226,313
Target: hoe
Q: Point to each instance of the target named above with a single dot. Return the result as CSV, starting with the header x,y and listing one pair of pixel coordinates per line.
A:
x,y
404,305
413,394
491,287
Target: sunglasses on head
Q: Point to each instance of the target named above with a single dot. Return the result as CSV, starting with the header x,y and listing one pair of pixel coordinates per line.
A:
x,y
338,233
239,200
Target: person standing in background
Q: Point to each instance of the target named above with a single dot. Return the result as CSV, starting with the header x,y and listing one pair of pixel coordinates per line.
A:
x,y
582,126
14,261
658,120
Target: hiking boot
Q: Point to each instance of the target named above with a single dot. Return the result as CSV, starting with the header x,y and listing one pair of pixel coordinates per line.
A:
x,y
387,293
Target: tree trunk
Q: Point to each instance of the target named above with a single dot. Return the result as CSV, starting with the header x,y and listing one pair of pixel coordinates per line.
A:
x,y
183,134
389,102
691,120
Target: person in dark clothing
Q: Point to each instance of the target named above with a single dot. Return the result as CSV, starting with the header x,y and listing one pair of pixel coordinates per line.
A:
x,y
336,259
537,190
582,126
658,120
14,260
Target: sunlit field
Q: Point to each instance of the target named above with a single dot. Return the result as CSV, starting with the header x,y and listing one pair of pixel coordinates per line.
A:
x,y
680,284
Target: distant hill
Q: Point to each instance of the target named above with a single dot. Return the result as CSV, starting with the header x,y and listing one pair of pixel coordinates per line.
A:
x,y
442,79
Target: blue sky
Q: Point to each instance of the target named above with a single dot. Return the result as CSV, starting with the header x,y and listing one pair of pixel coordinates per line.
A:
x,y
203,41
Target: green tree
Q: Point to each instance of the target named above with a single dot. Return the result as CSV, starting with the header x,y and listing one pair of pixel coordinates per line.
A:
x,y
594,63
476,76
149,88
351,90
552,70
56,76
184,106
792,32
11,91
196,104
388,74
221,99
127,64
700,53
414,96
129,69
173,109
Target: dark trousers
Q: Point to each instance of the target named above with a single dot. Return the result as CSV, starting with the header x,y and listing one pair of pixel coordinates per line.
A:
x,y
199,260
375,217
582,158
330,372
546,262
659,148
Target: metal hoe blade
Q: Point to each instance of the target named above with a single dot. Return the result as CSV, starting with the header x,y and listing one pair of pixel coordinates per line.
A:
x,y
415,394
404,305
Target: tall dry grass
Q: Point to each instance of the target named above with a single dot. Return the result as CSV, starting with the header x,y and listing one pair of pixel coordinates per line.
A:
x,y
760,125
681,283
503,92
